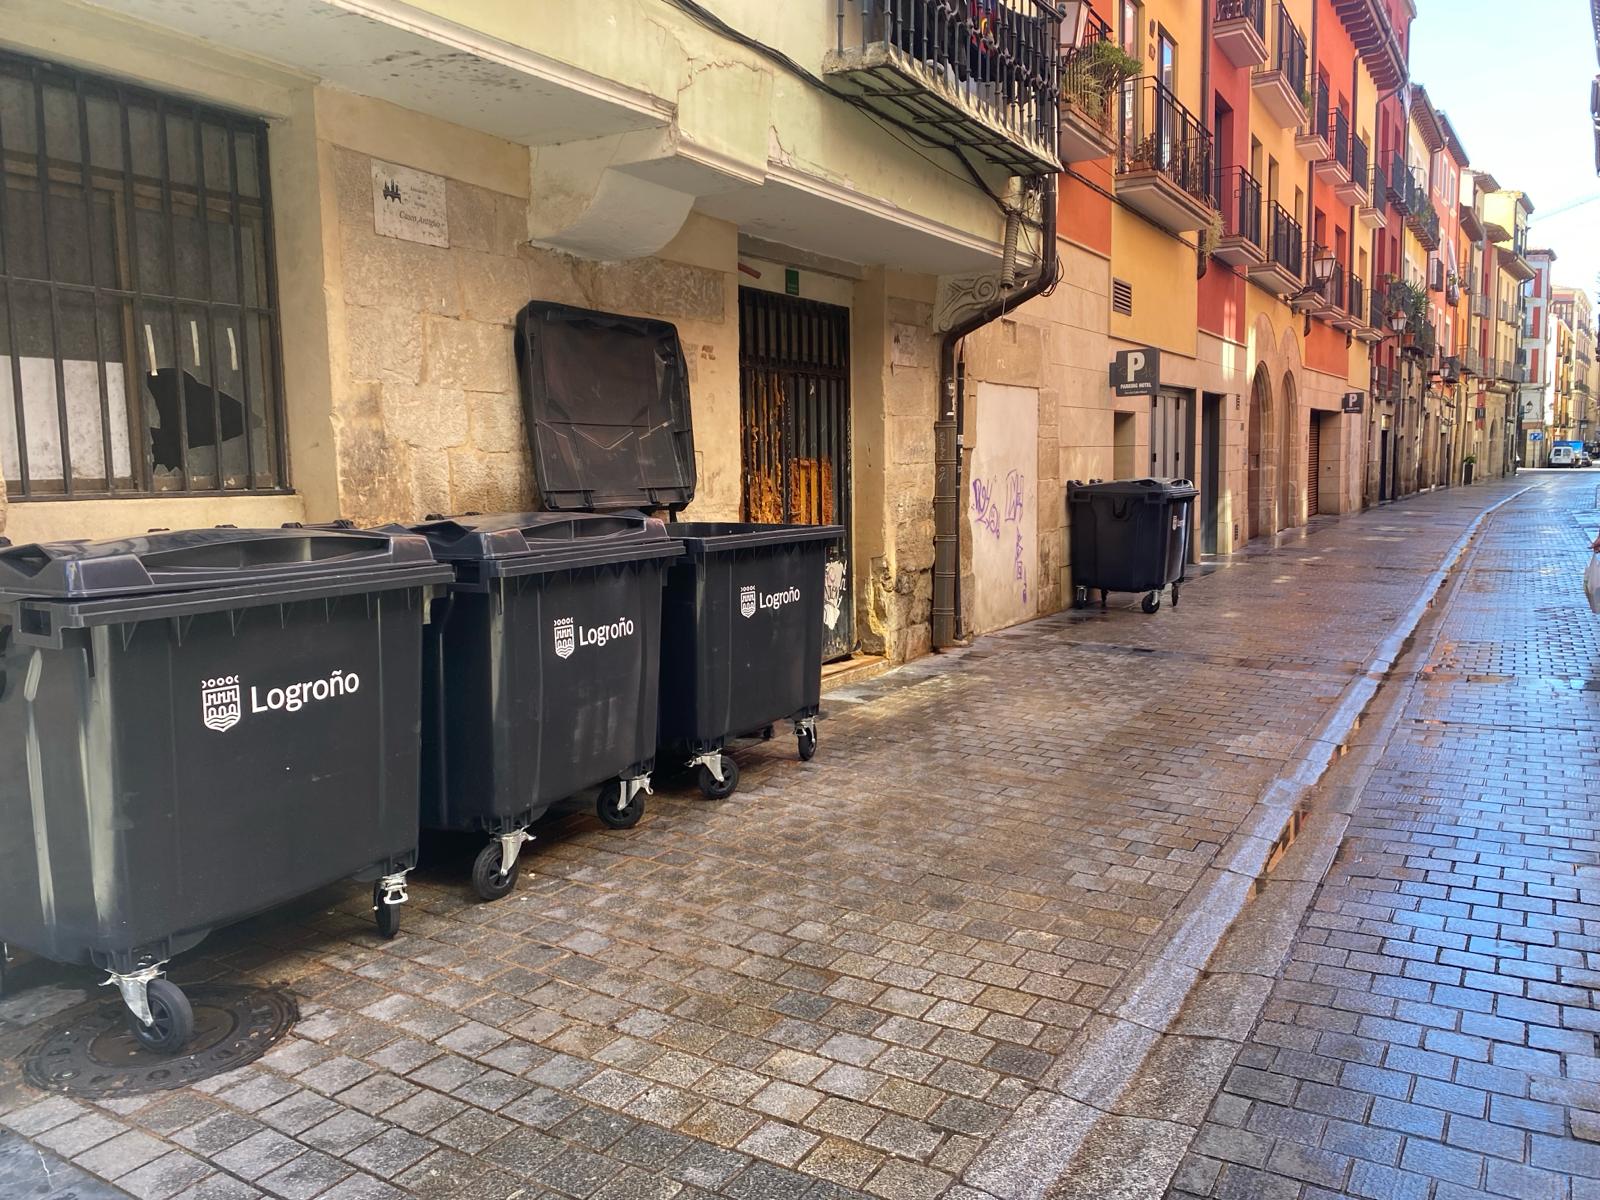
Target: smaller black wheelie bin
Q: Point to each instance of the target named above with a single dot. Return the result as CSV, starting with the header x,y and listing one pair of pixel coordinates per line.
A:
x,y
606,399
540,670
741,645
1130,535
198,726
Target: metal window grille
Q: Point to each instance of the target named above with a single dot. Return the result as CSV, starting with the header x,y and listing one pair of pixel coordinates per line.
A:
x,y
138,312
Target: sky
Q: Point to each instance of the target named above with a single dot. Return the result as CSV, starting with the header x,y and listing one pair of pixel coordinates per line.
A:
x,y
1514,79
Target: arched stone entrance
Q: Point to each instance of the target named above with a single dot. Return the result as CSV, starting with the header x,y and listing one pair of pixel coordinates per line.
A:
x,y
1262,451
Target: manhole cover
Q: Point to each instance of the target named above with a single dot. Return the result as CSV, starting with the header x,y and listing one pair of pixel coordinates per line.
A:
x,y
92,1054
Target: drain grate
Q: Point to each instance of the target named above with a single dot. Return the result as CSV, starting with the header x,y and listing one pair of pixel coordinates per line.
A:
x,y
90,1052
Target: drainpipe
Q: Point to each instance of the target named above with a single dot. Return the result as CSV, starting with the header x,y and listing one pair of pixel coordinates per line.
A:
x,y
1208,116
947,434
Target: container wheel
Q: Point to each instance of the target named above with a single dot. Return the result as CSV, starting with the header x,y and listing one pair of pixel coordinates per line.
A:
x,y
808,744
488,880
386,915
171,1019
1175,588
1080,597
625,817
711,789
766,734
1152,602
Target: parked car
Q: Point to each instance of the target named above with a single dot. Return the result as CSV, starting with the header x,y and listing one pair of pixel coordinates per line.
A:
x,y
1563,456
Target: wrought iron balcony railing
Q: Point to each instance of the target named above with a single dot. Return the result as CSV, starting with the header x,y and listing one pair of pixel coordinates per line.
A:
x,y
1286,241
1399,181
1288,52
1161,135
1341,140
1356,299
1253,11
1238,199
978,74
1358,161
1089,91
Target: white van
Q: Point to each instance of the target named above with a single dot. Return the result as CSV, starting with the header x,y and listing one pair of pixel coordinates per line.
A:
x,y
1563,456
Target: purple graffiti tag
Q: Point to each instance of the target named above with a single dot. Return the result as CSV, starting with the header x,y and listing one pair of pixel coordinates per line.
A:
x,y
1014,497
983,506
1018,570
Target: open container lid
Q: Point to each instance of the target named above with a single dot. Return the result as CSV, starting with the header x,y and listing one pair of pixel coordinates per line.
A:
x,y
501,544
200,559
606,399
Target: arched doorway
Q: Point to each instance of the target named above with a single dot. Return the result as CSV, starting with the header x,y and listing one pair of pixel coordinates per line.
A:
x,y
1262,455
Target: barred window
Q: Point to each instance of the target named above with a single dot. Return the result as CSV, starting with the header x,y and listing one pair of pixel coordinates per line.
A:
x,y
138,312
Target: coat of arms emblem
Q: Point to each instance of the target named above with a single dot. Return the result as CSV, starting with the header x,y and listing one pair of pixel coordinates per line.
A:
x,y
565,641
747,601
220,705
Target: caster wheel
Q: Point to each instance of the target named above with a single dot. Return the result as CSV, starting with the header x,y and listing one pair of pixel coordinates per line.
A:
x,y
488,880
1152,602
808,744
1080,597
1174,595
619,818
171,1019
711,789
766,734
386,915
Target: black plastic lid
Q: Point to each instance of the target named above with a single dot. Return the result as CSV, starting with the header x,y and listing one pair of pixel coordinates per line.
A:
x,y
606,399
195,559
712,537
505,544
1147,489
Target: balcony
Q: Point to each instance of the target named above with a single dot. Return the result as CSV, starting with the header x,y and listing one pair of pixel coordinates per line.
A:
x,y
1163,159
1450,370
1480,305
1238,198
1370,210
1280,82
1351,317
1240,31
1280,274
1421,217
1471,362
1335,168
1314,139
1399,181
1090,83
984,84
1353,189
1385,384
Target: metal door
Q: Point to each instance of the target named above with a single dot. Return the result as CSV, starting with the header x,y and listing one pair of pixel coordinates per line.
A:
x,y
1210,471
1314,467
794,394
1168,421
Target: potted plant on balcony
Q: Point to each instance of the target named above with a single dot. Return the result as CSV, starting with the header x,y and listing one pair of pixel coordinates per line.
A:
x,y
1094,74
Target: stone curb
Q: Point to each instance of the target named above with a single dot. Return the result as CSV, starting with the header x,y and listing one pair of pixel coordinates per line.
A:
x,y
1136,1075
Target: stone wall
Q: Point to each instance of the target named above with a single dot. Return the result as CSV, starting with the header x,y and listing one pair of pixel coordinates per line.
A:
x,y
427,415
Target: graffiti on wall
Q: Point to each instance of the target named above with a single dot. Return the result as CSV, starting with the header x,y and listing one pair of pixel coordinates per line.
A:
x,y
1002,511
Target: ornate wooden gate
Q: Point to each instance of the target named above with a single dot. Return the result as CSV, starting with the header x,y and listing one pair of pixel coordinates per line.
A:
x,y
794,389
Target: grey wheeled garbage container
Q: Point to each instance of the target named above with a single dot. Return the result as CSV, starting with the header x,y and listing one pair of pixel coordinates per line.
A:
x,y
198,726
540,673
1130,535
741,647
606,400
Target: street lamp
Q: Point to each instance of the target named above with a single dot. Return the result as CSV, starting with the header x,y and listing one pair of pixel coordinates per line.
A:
x,y
1074,22
1398,321
1322,268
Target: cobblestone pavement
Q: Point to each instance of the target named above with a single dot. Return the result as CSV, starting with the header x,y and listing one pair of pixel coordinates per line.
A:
x,y
1433,1032
845,979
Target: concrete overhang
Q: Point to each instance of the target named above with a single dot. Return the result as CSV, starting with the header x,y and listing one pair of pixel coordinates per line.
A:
x,y
614,169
